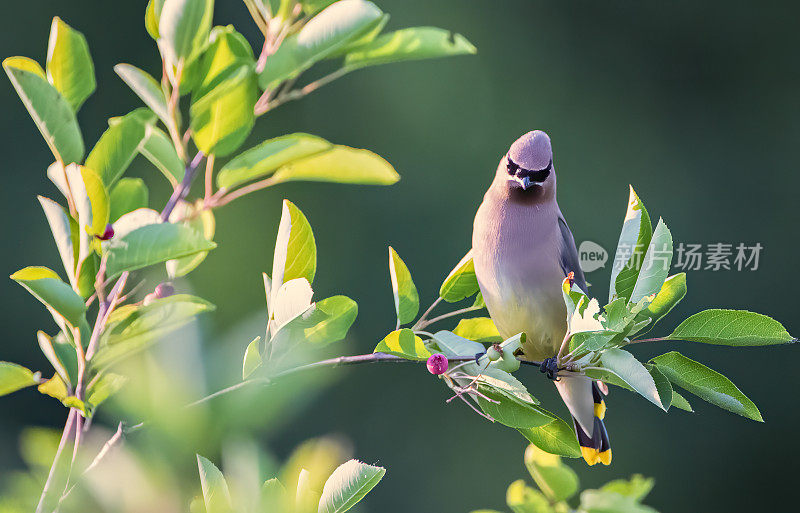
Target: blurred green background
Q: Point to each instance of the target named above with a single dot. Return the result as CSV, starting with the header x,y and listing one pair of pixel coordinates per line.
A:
x,y
694,103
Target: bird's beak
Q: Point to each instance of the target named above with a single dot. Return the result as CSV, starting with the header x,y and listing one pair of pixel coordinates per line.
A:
x,y
526,182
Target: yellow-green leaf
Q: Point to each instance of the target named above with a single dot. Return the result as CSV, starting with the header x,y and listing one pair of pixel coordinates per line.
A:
x,y
69,65
461,283
405,344
47,287
406,298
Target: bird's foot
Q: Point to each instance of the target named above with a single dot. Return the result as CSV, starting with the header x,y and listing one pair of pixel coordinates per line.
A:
x,y
549,366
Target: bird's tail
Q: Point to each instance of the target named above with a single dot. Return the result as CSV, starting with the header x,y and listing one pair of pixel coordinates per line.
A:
x,y
585,402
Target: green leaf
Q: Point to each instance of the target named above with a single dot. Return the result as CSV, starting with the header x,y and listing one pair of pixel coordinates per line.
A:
x,y
510,412
14,377
556,480
151,16
599,501
119,144
330,30
521,498
631,248
59,221
227,51
479,329
330,320
48,348
556,437
673,290
731,328
461,283
502,382
252,358
406,298
705,383
53,116
656,264
47,287
159,150
202,222
339,164
97,194
69,65
452,345
222,119
295,249
273,495
152,244
133,328
637,487
147,89
103,387
663,385
348,484
409,44
183,28
680,402
403,343
627,368
267,157
216,496
127,195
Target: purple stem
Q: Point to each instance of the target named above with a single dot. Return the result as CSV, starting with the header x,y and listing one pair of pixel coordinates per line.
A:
x,y
182,189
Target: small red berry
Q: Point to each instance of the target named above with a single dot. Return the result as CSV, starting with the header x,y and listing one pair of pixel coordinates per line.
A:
x,y
108,233
164,290
437,364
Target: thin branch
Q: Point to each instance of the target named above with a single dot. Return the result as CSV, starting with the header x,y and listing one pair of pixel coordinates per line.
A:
x,y
226,198
656,339
300,93
427,313
182,189
66,435
209,181
450,314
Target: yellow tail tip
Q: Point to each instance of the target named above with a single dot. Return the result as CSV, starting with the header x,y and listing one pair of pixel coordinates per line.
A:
x,y
605,457
590,455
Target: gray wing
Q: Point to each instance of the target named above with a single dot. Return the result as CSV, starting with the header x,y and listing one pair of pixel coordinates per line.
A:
x,y
569,255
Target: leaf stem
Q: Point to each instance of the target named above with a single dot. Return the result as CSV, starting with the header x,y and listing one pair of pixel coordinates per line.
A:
x,y
226,198
66,435
425,315
182,189
296,94
449,314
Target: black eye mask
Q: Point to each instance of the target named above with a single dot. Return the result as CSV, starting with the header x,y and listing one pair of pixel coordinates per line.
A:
x,y
535,175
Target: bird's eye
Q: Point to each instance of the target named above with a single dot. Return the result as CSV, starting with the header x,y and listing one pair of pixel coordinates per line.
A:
x,y
511,166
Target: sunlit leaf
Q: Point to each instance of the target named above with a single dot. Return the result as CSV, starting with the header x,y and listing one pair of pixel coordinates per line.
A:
x,y
627,368
556,437
222,119
183,28
159,150
409,44
461,282
127,195
202,222
348,484
673,290
215,490
340,164
267,157
333,28
119,144
69,65
295,249
252,358
227,51
59,221
510,412
133,328
147,89
406,298
47,287
53,116
479,329
403,343
556,480
14,377
152,244
521,498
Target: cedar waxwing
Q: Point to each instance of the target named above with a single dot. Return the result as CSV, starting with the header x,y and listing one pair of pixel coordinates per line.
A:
x,y
522,250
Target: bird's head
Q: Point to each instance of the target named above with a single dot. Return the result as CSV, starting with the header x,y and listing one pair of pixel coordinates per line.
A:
x,y
527,168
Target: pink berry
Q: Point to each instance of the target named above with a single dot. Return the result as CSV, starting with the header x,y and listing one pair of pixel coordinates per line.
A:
x,y
164,290
437,364
108,233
